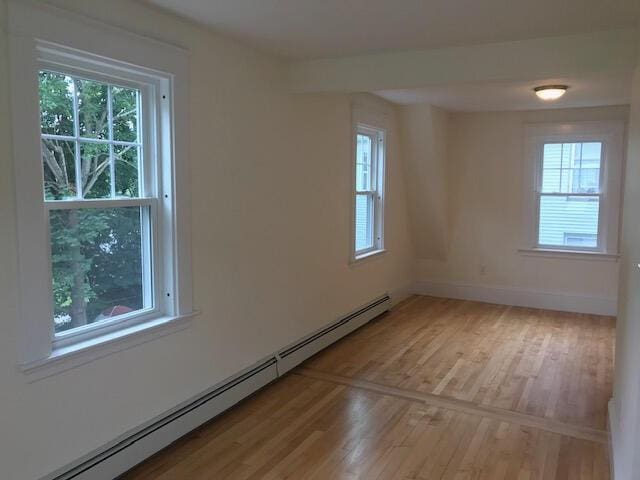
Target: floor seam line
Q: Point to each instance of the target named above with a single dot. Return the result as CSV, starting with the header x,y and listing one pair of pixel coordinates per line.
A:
x,y
464,406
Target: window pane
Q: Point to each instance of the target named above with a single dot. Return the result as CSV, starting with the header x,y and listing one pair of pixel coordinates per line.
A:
x,y
591,151
96,264
569,221
125,114
126,167
586,180
363,162
551,180
93,114
364,222
56,103
571,168
59,169
568,153
552,156
96,170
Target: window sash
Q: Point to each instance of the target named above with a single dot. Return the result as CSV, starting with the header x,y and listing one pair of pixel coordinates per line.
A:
x,y
100,203
374,192
601,194
152,292
540,165
149,182
145,107
372,202
373,161
599,242
73,138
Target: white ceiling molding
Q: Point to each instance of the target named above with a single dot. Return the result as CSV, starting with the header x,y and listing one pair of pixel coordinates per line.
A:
x,y
572,55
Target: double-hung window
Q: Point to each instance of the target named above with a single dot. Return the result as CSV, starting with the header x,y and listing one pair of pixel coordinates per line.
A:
x,y
574,172
570,195
99,157
368,191
100,197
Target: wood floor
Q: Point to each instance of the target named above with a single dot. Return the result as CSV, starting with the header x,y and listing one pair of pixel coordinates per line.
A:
x,y
436,389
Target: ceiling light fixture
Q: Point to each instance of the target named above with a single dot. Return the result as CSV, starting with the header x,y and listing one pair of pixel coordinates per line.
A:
x,y
550,92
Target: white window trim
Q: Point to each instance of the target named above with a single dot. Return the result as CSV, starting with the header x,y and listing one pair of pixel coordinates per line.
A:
x,y
35,31
378,194
611,134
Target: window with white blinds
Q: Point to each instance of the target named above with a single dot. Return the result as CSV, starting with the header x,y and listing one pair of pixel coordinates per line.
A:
x,y
368,191
575,175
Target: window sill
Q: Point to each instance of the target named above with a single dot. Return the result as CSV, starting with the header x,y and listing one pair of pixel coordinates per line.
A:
x,y
568,254
367,255
68,357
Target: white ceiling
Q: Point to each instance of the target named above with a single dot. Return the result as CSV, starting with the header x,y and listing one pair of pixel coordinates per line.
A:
x,y
589,91
305,29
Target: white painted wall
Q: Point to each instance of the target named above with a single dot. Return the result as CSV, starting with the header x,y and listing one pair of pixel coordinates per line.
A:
x,y
271,175
484,183
625,411
424,147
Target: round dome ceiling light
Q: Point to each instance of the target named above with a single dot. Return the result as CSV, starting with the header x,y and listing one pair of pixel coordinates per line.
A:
x,y
550,92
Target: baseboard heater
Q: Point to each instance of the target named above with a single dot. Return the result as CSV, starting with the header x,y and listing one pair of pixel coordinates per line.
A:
x,y
134,447
298,352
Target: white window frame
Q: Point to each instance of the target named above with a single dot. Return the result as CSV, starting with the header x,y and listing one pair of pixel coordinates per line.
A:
x,y
376,193
611,135
46,38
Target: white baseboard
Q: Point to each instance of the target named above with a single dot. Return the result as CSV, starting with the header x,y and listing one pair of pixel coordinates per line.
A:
x,y
402,293
615,447
613,435
568,302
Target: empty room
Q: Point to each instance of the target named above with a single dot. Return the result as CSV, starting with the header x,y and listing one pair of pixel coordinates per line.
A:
x,y
319,239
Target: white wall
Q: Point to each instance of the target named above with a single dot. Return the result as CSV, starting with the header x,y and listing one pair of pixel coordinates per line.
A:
x,y
424,147
625,411
271,175
484,184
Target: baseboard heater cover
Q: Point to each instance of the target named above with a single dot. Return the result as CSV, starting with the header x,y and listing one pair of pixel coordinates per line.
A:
x,y
308,346
124,453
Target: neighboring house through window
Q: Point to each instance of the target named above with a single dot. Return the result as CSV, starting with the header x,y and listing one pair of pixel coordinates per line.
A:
x,y
573,172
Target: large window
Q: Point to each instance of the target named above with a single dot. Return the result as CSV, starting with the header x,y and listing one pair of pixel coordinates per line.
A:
x,y
99,204
99,164
369,191
574,171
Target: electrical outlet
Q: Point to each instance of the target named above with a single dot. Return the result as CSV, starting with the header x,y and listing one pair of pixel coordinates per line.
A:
x,y
483,269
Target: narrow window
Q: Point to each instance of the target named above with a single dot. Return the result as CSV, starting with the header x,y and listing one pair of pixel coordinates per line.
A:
x,y
369,192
